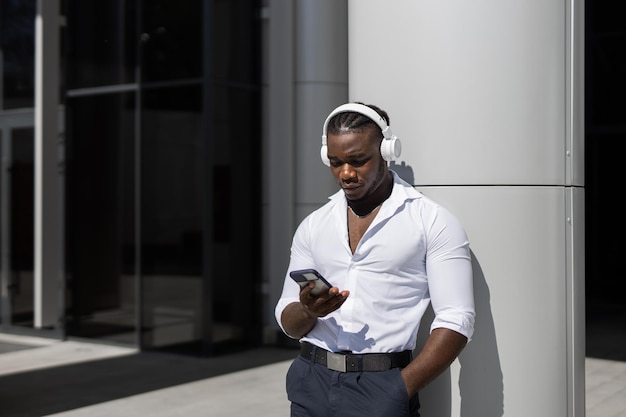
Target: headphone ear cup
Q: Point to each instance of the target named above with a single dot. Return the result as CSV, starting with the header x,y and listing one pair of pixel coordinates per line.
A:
x,y
390,149
324,155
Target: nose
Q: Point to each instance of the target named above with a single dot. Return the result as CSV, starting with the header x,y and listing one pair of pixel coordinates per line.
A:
x,y
347,173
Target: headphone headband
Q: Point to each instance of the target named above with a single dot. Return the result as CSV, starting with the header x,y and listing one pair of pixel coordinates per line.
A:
x,y
390,146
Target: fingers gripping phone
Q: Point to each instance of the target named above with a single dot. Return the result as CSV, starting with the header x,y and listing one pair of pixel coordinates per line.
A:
x,y
304,276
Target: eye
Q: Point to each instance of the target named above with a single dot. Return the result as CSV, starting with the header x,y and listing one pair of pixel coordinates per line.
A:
x,y
335,163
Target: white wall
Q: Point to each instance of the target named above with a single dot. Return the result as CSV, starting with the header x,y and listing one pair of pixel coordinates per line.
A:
x,y
487,99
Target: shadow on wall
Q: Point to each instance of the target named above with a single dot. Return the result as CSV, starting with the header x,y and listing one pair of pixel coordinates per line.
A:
x,y
404,171
480,378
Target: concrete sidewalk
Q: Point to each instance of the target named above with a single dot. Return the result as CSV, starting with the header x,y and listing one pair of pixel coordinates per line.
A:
x,y
256,392
42,377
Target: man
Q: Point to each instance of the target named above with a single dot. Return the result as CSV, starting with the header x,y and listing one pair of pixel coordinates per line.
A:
x,y
388,251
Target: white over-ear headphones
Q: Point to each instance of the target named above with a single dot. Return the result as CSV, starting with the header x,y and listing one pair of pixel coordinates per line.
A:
x,y
390,147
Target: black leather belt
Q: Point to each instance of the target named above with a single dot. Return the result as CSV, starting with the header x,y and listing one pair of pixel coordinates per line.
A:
x,y
349,362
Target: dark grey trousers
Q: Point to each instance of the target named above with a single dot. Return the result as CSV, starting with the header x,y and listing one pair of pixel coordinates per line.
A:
x,y
315,391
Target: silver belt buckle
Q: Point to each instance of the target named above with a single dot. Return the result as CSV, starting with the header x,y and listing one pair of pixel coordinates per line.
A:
x,y
336,361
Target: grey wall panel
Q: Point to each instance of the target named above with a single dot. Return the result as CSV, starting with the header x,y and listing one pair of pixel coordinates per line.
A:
x,y
321,83
313,180
321,39
476,90
520,345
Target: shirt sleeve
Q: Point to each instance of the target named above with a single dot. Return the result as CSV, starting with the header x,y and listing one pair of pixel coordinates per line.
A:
x,y
450,276
300,259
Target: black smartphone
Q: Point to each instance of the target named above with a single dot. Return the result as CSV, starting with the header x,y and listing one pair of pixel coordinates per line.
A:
x,y
304,276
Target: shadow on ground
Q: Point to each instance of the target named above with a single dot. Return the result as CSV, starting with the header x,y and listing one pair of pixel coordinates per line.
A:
x,y
605,332
63,388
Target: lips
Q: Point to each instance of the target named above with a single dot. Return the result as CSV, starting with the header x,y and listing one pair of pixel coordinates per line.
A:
x,y
351,190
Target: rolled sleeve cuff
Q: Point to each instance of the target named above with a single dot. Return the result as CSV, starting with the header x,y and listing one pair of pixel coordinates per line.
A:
x,y
278,311
460,323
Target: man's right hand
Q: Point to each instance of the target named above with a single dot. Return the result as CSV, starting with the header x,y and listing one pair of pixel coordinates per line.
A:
x,y
300,317
324,303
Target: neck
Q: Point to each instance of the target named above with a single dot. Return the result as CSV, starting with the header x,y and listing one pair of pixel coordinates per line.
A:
x,y
363,215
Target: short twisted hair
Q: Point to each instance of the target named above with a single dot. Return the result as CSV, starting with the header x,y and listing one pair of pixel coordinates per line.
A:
x,y
349,121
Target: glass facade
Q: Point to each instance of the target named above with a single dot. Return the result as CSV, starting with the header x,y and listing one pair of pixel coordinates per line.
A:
x,y
161,113
161,190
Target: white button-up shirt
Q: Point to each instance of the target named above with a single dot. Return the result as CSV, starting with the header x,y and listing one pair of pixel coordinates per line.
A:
x,y
415,252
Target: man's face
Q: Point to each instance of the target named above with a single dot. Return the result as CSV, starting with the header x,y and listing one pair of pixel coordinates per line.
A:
x,y
356,163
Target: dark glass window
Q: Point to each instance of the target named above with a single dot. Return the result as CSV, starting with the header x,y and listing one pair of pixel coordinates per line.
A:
x,y
17,58
235,51
184,231
22,190
173,190
101,44
172,40
172,181
236,217
100,217
605,144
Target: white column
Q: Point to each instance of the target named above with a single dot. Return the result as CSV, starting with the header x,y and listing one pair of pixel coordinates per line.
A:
x,y
48,242
487,99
